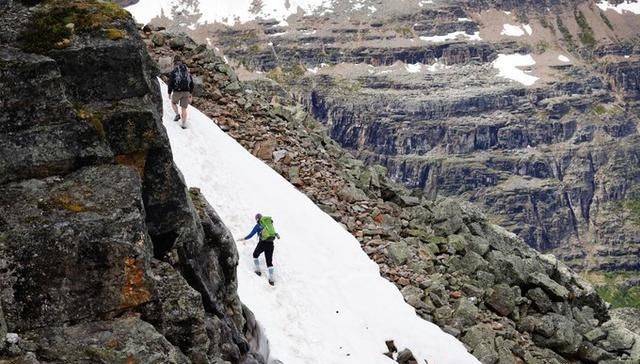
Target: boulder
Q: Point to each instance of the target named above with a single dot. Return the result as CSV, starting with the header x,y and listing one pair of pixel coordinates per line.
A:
x,y
457,242
550,286
486,354
406,357
595,335
198,86
165,64
264,149
472,262
466,312
352,194
540,299
558,332
158,39
620,339
592,353
479,334
399,252
501,299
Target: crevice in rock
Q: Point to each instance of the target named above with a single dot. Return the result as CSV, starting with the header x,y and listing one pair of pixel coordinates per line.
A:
x,y
572,215
163,243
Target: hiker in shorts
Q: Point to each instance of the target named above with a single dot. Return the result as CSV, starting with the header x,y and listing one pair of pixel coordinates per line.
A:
x,y
180,89
267,234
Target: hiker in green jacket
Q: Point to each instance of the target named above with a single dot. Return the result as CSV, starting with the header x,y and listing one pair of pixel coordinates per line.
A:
x,y
267,234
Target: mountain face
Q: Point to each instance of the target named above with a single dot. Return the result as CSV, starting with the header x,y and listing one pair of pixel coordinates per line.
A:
x,y
526,108
105,256
483,285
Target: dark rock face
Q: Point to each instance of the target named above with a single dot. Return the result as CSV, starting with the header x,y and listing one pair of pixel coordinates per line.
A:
x,y
117,341
104,254
65,235
625,78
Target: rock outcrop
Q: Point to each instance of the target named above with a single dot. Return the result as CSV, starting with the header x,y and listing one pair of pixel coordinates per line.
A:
x,y
478,282
104,254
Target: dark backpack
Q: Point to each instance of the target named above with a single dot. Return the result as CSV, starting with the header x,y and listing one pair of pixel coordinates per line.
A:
x,y
182,78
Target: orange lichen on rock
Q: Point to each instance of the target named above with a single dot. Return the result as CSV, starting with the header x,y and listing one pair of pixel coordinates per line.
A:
x,y
134,291
136,159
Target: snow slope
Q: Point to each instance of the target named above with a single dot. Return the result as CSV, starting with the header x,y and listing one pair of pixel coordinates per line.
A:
x,y
330,304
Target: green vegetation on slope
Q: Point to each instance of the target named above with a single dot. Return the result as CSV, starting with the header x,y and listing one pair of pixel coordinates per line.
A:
x,y
610,286
56,21
586,33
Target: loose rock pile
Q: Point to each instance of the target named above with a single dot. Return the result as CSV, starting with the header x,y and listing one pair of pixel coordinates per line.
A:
x,y
481,284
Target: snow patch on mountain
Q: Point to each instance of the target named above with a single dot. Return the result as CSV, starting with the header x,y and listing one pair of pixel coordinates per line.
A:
x,y
516,30
507,65
452,36
625,6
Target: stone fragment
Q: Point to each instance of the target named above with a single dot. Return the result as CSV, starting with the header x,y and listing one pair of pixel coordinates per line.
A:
x,y
473,262
177,43
485,279
165,64
406,357
540,299
279,155
352,194
550,286
501,299
486,354
264,149
595,335
234,88
620,339
466,312
457,242
409,201
592,353
158,39
558,332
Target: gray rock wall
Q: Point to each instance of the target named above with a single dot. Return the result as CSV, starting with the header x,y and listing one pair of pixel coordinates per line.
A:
x,y
105,255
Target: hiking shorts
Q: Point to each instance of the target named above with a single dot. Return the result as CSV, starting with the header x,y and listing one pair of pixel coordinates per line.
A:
x,y
180,98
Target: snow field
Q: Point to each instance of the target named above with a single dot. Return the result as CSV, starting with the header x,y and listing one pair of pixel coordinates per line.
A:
x,y
329,305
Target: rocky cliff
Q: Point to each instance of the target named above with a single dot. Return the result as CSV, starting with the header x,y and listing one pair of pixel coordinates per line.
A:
x,y
416,87
105,257
505,301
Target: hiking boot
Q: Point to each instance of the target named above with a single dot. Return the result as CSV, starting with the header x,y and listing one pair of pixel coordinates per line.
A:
x,y
177,117
258,272
271,282
183,126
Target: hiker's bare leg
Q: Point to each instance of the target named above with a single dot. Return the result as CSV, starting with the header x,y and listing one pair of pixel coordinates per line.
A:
x,y
184,115
174,107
